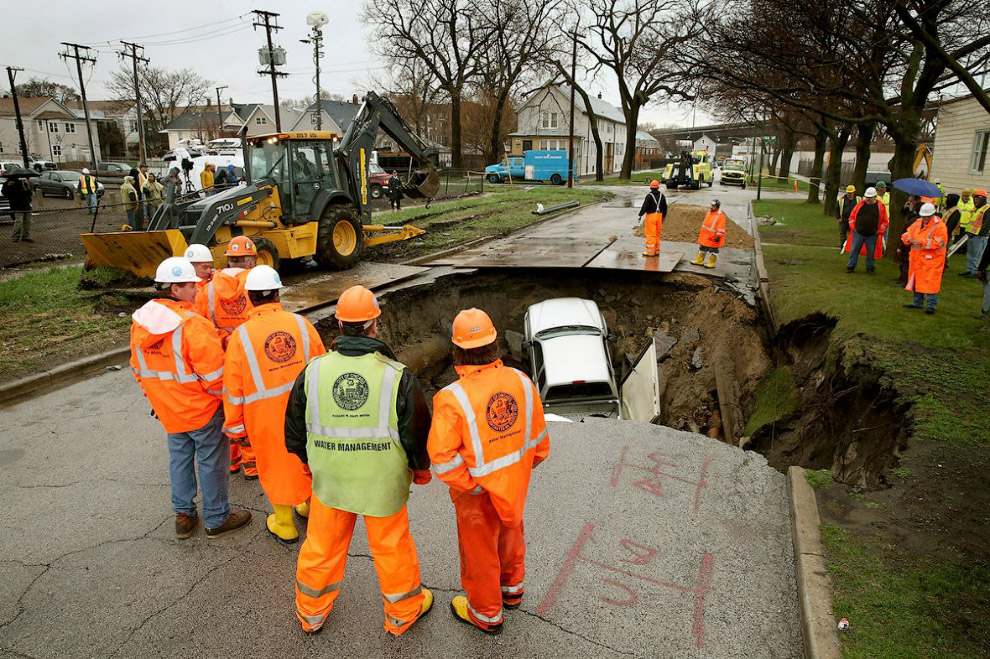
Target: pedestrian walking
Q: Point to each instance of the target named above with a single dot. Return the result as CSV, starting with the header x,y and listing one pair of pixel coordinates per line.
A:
x,y
360,420
843,209
88,190
18,193
488,433
153,195
654,208
394,184
263,358
927,238
129,196
976,231
712,235
177,360
867,225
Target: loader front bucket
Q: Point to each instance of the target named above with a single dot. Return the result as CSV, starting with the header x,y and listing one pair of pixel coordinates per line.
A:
x,y
423,184
138,252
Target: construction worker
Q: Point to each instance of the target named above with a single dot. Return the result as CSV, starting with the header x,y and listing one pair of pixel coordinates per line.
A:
x,y
153,194
129,197
976,233
264,357
867,225
883,196
843,209
654,208
941,194
88,190
206,178
712,235
927,238
966,208
488,433
360,420
225,302
202,259
177,360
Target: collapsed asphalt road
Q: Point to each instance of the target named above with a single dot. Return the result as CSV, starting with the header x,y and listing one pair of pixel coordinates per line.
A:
x,y
643,541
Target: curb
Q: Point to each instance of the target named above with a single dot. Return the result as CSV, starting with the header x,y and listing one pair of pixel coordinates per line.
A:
x,y
814,586
763,278
60,376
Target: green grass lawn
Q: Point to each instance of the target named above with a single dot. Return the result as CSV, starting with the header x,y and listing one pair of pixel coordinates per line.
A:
x,y
800,223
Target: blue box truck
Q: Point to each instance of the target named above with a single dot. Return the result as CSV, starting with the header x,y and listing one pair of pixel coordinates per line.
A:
x,y
533,166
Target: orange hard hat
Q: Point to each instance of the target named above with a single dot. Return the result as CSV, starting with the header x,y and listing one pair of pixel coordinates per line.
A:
x,y
654,184
928,200
241,246
980,193
473,329
357,304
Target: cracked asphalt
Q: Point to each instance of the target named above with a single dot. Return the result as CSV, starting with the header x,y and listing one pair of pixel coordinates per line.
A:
x,y
642,541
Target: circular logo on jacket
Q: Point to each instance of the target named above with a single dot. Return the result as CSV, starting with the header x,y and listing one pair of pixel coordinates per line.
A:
x,y
350,391
236,306
502,412
280,346
157,345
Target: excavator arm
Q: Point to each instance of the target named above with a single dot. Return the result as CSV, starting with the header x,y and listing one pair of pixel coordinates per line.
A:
x,y
354,151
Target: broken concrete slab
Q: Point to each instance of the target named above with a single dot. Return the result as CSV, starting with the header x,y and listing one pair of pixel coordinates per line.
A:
x,y
664,343
696,361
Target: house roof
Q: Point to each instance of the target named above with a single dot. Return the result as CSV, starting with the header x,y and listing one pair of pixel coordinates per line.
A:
x,y
342,112
107,107
27,105
602,108
53,114
643,135
192,120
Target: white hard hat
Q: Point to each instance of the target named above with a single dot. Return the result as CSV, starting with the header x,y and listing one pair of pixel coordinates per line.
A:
x,y
937,181
197,253
176,270
262,278
927,210
870,192
85,171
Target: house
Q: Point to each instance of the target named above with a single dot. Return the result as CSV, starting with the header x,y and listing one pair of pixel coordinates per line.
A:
x,y
543,121
121,113
202,122
52,131
962,137
336,116
647,149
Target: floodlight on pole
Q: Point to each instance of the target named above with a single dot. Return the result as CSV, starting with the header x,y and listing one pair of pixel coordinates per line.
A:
x,y
316,20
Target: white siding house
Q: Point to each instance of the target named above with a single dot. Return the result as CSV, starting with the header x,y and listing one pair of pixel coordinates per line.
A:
x,y
961,156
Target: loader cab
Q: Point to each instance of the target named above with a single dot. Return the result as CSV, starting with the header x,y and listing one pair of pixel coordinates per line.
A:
x,y
300,163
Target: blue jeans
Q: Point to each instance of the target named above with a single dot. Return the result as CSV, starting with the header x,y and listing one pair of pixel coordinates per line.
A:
x,y
211,450
131,212
919,300
90,202
858,240
974,250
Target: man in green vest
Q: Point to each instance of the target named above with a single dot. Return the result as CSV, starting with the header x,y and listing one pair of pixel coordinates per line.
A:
x,y
360,420
88,190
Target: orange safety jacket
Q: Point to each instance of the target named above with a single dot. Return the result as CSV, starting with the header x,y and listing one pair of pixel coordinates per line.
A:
x,y
177,359
927,259
488,432
224,301
712,232
264,357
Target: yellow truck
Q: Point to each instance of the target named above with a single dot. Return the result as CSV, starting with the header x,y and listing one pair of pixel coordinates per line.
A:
x,y
692,169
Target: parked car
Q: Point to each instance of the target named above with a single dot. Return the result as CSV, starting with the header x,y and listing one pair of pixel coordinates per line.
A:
x,y
8,164
61,183
6,217
43,165
115,168
377,180
499,173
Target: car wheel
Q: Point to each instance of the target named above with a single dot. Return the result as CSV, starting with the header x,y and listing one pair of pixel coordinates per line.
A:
x,y
68,193
493,178
376,191
555,179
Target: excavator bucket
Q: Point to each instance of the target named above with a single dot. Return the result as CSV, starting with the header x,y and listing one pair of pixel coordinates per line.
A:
x,y
423,184
138,252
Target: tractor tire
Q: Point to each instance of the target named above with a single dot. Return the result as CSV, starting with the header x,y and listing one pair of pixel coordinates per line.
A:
x,y
340,238
555,179
494,178
376,191
671,186
267,253
68,193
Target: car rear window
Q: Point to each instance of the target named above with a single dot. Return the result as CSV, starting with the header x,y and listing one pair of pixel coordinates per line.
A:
x,y
563,392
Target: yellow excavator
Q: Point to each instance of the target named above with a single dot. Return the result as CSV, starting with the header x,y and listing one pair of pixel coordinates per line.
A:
x,y
306,197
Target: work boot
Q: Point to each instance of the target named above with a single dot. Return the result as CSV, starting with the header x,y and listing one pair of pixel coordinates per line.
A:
x,y
237,519
302,509
512,601
235,465
650,254
423,610
185,524
281,525
711,261
699,259
929,311
459,607
250,470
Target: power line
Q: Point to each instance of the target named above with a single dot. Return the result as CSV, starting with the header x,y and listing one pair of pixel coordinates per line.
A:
x,y
166,34
204,37
135,58
270,26
82,89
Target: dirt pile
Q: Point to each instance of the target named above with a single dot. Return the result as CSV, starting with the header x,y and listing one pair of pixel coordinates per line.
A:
x,y
683,221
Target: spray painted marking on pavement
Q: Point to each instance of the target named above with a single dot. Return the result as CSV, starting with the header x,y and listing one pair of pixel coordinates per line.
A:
x,y
637,554
655,486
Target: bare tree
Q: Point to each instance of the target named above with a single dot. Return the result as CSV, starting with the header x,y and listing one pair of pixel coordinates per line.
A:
x,y
36,87
411,86
162,91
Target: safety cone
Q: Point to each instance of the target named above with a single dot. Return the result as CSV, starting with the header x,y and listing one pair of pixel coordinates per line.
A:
x,y
795,186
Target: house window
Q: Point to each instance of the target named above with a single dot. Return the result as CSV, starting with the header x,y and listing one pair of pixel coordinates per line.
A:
x,y
260,121
70,128
312,118
979,158
52,126
132,126
548,119
41,125
56,149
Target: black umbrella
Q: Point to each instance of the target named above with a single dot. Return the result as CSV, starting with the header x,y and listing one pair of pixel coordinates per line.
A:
x,y
20,172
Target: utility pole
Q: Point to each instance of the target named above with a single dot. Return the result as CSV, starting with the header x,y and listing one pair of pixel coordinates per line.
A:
x,y
269,25
759,185
570,130
135,58
219,113
11,73
82,90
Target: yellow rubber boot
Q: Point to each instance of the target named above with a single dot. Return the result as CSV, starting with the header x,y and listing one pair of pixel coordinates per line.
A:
x,y
711,261
699,259
459,607
302,509
281,525
423,610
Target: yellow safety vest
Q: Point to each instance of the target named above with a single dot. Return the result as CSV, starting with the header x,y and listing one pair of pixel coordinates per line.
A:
x,y
87,185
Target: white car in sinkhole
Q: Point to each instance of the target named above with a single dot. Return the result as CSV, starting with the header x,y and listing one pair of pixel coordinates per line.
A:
x,y
567,340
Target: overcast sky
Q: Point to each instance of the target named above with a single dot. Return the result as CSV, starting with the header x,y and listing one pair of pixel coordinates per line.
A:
x,y
211,38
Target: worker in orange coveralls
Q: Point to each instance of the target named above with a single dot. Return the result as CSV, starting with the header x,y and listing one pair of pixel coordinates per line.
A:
x,y
927,238
488,433
712,235
654,208
264,356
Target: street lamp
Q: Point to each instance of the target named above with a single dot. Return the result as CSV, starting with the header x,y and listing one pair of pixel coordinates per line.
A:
x,y
316,20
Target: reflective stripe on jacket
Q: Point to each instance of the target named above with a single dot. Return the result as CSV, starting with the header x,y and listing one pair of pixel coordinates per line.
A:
x,y
712,232
488,431
224,300
977,220
87,185
177,358
966,209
